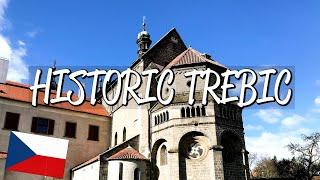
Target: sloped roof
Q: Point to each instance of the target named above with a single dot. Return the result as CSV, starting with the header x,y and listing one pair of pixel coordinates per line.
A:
x,y
21,92
127,154
191,56
161,44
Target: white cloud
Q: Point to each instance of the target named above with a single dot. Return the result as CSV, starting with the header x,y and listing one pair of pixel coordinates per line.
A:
x,y
3,6
274,144
5,47
250,127
317,100
18,70
32,34
270,116
21,43
293,120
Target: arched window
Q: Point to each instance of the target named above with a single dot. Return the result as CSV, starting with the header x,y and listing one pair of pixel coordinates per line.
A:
x,y
183,112
187,112
137,174
161,118
203,111
198,111
193,112
167,115
155,120
124,134
115,139
121,171
164,116
163,155
158,121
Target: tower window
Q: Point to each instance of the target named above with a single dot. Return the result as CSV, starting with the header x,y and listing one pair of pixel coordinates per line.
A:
x,y
115,139
93,133
155,120
167,115
193,112
183,112
137,174
189,83
163,155
70,130
124,135
187,112
11,121
198,111
164,117
42,125
120,171
203,111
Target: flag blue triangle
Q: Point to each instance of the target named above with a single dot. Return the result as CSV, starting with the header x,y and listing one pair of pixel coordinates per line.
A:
x,y
17,151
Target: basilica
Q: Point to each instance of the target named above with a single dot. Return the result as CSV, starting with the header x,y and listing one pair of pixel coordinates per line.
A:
x,y
176,141
150,141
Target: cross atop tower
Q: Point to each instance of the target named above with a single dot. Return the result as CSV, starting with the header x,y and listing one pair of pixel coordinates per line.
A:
x,y
143,23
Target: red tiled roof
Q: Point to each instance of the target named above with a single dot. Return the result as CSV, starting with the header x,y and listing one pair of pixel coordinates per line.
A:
x,y
3,155
21,92
190,56
127,153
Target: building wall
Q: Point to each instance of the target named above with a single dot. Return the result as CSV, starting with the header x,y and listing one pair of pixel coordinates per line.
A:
x,y
80,148
90,171
129,167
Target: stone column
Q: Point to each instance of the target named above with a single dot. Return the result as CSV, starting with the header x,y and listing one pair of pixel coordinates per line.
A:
x,y
218,162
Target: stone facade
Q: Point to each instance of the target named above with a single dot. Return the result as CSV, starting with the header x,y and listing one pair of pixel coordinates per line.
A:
x,y
180,141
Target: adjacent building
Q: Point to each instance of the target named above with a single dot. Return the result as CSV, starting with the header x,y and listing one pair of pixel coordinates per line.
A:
x,y
87,128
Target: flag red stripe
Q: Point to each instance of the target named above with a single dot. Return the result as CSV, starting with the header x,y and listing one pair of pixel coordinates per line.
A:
x,y
41,165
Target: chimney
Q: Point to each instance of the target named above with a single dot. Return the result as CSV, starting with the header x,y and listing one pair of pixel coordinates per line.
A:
x,y
4,63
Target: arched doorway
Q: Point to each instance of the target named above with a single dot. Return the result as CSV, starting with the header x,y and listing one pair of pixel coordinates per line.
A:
x,y
232,155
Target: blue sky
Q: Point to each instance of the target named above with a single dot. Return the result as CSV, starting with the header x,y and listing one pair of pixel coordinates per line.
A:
x,y
236,33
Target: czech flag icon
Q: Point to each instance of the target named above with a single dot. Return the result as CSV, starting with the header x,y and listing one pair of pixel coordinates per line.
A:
x,y
36,154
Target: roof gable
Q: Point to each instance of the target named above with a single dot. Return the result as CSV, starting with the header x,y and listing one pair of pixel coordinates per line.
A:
x,y
189,57
165,50
127,154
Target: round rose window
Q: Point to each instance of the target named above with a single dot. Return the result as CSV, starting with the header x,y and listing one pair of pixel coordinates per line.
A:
x,y
195,150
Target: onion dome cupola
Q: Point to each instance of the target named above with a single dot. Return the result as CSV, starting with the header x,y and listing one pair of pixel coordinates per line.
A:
x,y
143,40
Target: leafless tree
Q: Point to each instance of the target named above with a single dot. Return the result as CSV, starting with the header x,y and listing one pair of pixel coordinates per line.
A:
x,y
253,159
308,154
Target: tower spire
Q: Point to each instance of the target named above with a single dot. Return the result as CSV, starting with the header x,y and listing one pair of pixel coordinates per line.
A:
x,y
143,23
143,40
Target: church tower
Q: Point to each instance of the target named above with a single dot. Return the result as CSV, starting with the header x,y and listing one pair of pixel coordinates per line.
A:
x,y
143,40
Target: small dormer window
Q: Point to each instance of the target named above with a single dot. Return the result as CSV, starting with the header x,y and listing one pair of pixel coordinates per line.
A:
x,y
189,83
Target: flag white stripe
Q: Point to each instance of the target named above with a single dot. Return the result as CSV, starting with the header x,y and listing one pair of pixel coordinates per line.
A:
x,y
45,146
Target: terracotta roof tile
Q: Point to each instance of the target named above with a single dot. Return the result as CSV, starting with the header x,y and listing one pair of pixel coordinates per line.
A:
x,y
21,92
127,153
190,56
